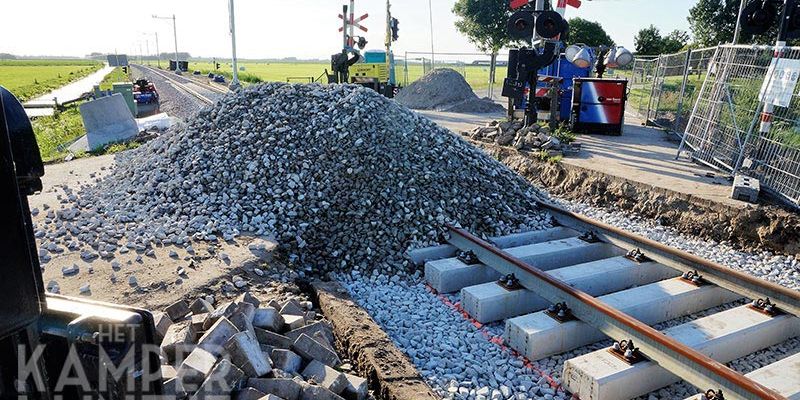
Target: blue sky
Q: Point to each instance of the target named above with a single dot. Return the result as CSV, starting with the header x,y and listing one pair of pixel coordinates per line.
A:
x,y
274,28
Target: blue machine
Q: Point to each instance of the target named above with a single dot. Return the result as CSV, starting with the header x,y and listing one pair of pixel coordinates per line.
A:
x,y
566,70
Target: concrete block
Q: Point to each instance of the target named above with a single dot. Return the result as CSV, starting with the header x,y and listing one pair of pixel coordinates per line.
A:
x,y
723,336
286,360
491,302
177,339
173,389
248,297
320,326
531,237
196,325
319,393
325,376
107,120
224,310
273,339
287,389
357,387
197,366
274,304
178,310
310,349
162,323
201,306
450,275
249,394
215,337
745,189
293,322
323,340
168,372
246,354
782,376
221,382
425,254
242,322
538,335
247,309
270,397
269,319
292,307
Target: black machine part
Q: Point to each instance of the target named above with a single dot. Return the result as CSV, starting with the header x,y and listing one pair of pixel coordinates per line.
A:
x,y
52,326
524,63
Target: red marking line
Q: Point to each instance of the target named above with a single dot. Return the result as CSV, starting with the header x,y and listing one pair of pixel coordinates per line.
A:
x,y
497,340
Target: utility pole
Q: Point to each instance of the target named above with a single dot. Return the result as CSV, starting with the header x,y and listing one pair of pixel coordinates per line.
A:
x,y
738,22
235,82
433,54
158,53
175,34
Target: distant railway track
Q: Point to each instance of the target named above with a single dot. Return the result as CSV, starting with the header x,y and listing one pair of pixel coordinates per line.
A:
x,y
584,281
181,83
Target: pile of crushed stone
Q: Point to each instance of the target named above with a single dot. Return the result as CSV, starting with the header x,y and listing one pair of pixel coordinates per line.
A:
x,y
445,89
340,176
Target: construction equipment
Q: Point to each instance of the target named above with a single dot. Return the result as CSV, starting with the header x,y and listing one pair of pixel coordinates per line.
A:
x,y
54,346
146,97
375,68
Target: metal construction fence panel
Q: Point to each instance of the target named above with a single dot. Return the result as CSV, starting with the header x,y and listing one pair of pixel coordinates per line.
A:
x,y
475,67
724,128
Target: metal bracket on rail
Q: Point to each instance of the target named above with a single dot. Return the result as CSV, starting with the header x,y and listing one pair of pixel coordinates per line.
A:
x,y
765,306
589,237
638,256
712,394
626,351
560,312
694,278
468,257
510,282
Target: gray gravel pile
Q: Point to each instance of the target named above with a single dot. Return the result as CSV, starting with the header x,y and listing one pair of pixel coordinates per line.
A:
x,y
341,176
445,89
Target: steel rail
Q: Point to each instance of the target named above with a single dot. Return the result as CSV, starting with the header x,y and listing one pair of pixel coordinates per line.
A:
x,y
736,281
688,364
182,86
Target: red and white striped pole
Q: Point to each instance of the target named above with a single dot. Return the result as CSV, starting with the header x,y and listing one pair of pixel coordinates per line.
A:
x,y
767,114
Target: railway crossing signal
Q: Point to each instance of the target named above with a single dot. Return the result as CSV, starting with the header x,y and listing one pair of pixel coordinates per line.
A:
x,y
355,22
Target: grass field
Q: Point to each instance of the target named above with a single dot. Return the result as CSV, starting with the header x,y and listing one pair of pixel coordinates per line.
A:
x,y
31,78
477,76
52,133
115,76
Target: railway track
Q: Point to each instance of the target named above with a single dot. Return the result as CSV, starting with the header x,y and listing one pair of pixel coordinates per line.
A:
x,y
584,281
184,84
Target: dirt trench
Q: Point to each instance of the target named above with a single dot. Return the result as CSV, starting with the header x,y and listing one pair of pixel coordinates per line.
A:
x,y
756,227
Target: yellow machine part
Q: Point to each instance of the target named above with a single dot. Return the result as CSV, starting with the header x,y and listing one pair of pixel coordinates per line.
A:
x,y
362,70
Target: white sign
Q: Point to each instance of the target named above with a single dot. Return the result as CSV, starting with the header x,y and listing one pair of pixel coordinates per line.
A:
x,y
780,81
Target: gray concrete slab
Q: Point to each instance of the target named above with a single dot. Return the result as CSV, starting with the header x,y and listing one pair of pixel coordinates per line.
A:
x,y
723,336
107,120
490,302
537,335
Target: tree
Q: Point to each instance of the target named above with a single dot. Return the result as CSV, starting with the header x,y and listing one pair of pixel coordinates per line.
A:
x,y
588,32
674,42
649,41
484,24
714,21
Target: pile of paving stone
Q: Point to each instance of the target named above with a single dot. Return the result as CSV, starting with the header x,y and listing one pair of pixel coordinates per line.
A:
x,y
512,133
247,349
444,89
341,177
